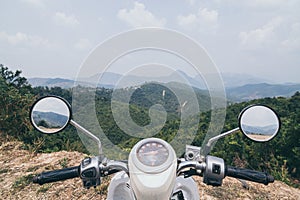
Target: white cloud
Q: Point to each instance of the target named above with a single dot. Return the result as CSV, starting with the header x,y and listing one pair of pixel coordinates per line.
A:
x,y
296,27
269,3
261,36
210,16
37,3
191,2
204,20
13,39
293,41
63,19
257,4
188,20
139,16
24,39
83,44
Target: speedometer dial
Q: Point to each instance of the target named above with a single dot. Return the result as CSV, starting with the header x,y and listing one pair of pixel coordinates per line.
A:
x,y
152,154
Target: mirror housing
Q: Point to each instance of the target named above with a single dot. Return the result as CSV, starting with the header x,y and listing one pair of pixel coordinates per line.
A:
x,y
259,123
50,114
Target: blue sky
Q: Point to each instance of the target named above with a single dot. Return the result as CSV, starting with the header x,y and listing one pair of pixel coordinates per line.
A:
x,y
51,38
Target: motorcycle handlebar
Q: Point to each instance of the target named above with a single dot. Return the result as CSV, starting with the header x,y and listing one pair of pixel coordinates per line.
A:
x,y
73,172
250,175
56,175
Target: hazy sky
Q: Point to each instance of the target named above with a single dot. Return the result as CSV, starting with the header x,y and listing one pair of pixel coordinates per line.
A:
x,y
52,105
51,38
259,116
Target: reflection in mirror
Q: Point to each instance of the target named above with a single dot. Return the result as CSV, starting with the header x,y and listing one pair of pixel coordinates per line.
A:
x,y
50,114
259,123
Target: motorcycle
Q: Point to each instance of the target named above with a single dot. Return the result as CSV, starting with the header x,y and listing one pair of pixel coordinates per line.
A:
x,y
153,170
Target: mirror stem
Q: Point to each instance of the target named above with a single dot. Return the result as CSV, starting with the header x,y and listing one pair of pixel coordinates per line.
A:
x,y
89,134
213,139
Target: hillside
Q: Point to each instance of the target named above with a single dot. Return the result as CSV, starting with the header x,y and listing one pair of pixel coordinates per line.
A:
x,y
261,90
52,82
17,167
53,119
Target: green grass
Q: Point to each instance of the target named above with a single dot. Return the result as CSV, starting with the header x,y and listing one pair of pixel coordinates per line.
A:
x,y
22,182
44,188
3,171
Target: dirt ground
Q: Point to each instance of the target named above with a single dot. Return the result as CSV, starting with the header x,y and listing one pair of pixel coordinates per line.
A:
x,y
259,137
18,166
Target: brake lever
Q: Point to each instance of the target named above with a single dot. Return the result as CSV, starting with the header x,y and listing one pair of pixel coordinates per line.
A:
x,y
191,172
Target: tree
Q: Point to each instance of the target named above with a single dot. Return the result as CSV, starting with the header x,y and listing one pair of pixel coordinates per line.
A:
x,y
15,101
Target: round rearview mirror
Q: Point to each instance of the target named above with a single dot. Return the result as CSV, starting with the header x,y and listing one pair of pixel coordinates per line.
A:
x,y
50,114
259,123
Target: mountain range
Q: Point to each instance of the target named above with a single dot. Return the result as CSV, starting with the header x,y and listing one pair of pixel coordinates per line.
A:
x,y
261,90
260,130
239,87
50,118
110,80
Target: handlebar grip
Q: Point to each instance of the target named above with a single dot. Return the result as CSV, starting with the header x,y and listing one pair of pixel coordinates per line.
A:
x,y
250,175
57,175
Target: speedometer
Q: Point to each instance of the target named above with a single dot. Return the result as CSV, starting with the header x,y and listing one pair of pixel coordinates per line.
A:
x,y
152,154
